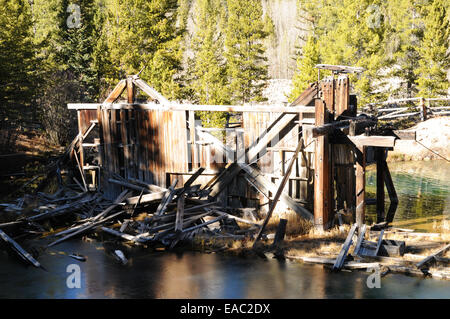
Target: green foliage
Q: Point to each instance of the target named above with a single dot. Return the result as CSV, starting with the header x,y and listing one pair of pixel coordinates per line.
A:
x,y
244,51
404,40
434,57
207,68
143,33
305,72
17,59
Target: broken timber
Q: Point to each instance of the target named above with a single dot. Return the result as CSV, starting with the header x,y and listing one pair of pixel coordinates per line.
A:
x,y
339,262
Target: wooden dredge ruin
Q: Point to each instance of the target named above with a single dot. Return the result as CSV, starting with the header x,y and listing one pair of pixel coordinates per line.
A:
x,y
311,155
153,162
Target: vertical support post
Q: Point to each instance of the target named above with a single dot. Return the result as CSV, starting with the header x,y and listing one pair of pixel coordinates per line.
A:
x,y
131,90
379,156
322,170
80,141
423,109
360,185
194,153
280,233
392,193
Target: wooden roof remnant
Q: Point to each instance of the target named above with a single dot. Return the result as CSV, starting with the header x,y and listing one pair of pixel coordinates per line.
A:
x,y
340,68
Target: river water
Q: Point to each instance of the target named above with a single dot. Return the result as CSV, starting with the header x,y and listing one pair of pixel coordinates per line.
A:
x,y
424,193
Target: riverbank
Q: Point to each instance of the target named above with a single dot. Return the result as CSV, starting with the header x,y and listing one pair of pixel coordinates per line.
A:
x,y
432,142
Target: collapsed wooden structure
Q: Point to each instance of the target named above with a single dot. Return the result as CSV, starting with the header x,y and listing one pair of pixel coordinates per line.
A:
x,y
320,135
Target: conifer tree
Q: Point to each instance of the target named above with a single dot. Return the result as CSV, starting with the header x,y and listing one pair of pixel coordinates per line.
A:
x,y
208,70
306,72
144,33
245,52
434,57
17,62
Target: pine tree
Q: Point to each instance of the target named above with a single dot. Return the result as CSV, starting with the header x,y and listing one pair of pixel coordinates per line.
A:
x,y
351,32
17,62
306,72
68,38
144,33
403,37
244,51
208,68
434,58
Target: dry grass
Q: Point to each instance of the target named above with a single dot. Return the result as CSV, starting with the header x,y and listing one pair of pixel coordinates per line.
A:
x,y
296,225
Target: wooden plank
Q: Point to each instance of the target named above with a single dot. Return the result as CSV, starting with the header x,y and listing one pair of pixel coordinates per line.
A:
x,y
322,174
343,253
362,232
168,196
22,253
430,258
171,106
116,92
380,239
180,213
378,141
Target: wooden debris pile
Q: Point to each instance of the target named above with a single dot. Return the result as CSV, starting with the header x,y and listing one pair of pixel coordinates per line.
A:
x,y
386,255
142,214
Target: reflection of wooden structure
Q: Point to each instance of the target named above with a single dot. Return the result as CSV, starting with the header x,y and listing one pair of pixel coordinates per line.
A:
x,y
159,141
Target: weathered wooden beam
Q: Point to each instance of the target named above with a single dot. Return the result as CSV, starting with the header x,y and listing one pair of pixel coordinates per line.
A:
x,y
430,258
361,234
171,106
151,92
22,253
360,185
377,141
380,158
115,93
280,233
322,173
339,262
180,213
300,146
168,196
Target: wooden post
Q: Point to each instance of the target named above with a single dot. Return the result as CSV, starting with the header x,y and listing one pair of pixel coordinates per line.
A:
x,y
180,213
423,109
281,231
360,185
194,153
392,193
322,189
379,155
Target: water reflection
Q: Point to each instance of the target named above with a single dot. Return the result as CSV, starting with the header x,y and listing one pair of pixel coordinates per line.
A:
x,y
423,189
424,199
196,275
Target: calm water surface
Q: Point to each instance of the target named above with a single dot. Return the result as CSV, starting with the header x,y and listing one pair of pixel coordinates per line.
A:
x,y
424,192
